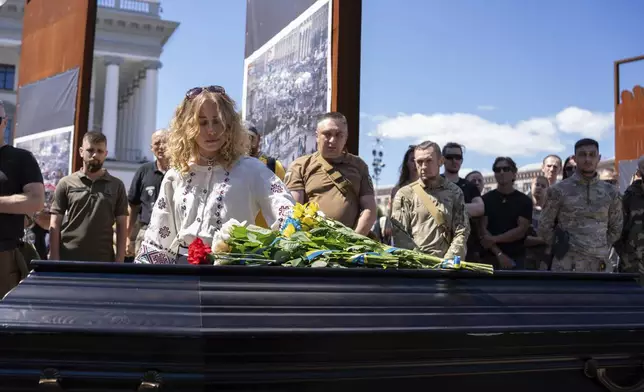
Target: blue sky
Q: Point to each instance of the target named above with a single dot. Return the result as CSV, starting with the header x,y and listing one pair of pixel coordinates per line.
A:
x,y
517,78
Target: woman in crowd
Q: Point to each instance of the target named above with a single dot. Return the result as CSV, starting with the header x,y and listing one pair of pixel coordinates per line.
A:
x,y
211,179
569,167
476,178
408,173
536,248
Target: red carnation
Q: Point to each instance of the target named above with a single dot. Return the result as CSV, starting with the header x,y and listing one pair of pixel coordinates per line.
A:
x,y
198,252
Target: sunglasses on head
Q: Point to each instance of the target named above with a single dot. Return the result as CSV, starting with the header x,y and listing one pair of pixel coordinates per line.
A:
x,y
193,92
452,157
504,169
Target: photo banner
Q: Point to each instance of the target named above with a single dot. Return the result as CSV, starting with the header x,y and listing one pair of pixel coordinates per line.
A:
x,y
45,125
287,73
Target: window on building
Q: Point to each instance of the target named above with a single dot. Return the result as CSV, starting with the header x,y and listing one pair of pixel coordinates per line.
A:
x,y
7,76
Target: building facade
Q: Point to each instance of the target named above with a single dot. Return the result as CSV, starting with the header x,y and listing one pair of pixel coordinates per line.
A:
x,y
130,36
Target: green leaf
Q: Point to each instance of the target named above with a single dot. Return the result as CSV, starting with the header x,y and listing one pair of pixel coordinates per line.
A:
x,y
239,232
282,256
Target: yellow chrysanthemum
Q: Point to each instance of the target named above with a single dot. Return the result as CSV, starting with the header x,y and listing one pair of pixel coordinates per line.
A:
x,y
289,230
308,223
311,209
298,211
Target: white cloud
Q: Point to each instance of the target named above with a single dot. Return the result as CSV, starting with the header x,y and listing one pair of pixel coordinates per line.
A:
x,y
525,138
465,170
584,122
486,108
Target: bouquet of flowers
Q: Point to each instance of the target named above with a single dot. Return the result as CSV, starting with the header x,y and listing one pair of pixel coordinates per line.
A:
x,y
309,239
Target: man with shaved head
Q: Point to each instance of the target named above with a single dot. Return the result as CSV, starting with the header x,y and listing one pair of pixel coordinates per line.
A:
x,y
631,244
144,191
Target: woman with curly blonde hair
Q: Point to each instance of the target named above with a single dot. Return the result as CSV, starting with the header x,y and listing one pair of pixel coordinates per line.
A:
x,y
211,179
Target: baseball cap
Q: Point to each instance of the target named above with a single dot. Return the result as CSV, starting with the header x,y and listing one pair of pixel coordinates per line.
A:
x,y
3,114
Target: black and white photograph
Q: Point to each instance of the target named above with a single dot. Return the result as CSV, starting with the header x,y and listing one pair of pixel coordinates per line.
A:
x,y
52,150
286,85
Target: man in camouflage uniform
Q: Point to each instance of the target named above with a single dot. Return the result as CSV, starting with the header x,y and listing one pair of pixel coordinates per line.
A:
x,y
631,245
588,212
429,215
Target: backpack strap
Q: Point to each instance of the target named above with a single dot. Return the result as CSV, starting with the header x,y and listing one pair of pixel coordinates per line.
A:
x,y
341,182
432,206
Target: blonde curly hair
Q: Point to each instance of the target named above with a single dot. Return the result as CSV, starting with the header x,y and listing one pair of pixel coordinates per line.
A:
x,y
184,130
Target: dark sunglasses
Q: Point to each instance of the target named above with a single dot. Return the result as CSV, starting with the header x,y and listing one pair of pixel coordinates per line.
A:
x,y
504,169
193,92
452,157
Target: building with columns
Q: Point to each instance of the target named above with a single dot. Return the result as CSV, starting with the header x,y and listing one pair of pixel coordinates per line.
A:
x,y
130,36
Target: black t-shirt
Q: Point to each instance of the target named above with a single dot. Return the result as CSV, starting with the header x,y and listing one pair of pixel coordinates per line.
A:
x,y
502,212
470,191
144,189
18,168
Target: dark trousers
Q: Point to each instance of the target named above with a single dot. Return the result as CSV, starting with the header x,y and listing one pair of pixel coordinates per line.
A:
x,y
12,270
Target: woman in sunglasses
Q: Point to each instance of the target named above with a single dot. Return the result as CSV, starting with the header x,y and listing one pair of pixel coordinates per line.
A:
x,y
211,180
569,167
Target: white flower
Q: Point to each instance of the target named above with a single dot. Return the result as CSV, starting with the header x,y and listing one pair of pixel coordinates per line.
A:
x,y
321,214
223,234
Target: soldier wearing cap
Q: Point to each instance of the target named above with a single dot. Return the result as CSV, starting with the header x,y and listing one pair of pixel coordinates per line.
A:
x,y
429,214
588,213
338,181
272,163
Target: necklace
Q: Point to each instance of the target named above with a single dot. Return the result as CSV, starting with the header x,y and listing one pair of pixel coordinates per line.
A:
x,y
210,161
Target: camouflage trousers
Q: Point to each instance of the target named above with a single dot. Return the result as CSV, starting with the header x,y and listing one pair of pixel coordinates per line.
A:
x,y
577,262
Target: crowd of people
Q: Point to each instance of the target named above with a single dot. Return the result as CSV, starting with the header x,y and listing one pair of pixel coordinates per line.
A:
x,y
286,100
210,168
574,218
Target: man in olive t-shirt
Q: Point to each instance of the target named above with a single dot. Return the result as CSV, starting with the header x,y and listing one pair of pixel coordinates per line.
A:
x,y
338,181
86,205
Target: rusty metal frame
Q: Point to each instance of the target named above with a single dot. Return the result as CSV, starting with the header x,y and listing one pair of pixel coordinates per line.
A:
x,y
617,91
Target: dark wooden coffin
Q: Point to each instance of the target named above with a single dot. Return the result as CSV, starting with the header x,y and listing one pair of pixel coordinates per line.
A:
x,y
108,327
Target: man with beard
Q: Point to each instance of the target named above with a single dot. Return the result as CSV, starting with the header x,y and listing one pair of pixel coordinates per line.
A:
x,y
144,191
429,214
588,213
272,163
86,206
453,155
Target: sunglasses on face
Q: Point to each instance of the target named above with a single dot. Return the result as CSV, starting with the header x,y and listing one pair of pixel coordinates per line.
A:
x,y
504,169
193,92
454,157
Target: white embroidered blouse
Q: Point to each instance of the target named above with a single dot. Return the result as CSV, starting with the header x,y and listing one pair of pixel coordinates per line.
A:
x,y
198,203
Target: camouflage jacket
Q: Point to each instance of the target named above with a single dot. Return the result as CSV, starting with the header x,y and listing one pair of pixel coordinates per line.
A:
x,y
415,228
631,244
588,209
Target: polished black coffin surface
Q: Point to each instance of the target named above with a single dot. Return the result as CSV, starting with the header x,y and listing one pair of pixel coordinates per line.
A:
x,y
107,327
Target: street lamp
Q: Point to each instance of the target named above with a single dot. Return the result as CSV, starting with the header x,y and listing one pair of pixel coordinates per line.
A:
x,y
377,163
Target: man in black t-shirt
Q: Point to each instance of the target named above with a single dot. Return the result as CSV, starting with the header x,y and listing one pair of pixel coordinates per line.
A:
x,y
508,216
453,155
22,193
